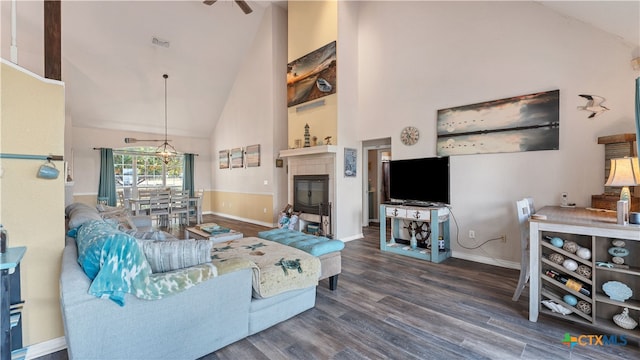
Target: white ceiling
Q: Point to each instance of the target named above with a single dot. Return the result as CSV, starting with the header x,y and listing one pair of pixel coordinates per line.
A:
x,y
113,72
620,18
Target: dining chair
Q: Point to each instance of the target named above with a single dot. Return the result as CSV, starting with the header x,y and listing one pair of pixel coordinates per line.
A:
x,y
525,209
141,203
196,205
160,206
179,206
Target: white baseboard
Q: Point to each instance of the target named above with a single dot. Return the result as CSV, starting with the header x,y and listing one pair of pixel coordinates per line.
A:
x,y
486,260
45,348
251,221
351,238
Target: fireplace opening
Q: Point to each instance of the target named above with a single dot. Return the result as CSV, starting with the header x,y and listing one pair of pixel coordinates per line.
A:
x,y
311,194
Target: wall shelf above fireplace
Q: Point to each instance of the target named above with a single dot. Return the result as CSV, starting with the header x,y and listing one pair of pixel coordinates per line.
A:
x,y
322,149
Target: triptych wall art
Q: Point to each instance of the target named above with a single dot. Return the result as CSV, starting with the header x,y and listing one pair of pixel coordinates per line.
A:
x,y
521,123
235,158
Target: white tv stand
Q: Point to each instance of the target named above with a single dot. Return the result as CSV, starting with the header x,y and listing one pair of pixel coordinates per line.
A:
x,y
438,218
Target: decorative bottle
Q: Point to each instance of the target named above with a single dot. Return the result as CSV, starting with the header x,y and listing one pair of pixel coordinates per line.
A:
x,y
413,242
3,240
570,283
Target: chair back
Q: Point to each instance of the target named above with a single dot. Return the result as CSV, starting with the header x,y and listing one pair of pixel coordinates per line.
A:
x,y
159,202
179,201
199,194
525,209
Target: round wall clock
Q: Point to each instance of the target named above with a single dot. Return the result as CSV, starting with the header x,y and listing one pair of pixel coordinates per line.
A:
x,y
409,135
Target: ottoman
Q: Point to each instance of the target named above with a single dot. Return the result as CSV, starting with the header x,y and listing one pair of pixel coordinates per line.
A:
x,y
327,250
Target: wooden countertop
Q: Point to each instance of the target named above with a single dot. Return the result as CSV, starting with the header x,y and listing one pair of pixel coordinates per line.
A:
x,y
586,217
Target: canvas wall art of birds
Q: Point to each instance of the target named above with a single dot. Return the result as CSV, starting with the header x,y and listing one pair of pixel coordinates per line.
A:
x,y
594,105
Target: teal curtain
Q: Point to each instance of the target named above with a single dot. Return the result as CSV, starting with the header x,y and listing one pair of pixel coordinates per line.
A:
x,y
187,182
107,187
638,116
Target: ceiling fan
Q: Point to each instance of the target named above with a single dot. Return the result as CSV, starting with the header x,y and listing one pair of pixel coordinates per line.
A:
x,y
241,3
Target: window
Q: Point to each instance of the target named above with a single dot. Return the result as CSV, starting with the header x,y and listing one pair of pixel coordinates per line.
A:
x,y
149,170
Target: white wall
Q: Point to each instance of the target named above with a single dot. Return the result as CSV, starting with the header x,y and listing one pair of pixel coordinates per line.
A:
x,y
254,109
279,43
418,57
349,190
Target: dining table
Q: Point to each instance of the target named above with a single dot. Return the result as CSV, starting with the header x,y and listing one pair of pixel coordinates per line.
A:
x,y
138,203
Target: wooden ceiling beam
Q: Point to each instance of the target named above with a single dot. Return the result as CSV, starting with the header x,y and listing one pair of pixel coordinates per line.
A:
x,y
52,40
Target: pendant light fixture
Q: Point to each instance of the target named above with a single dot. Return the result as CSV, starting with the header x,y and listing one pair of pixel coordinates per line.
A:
x,y
165,151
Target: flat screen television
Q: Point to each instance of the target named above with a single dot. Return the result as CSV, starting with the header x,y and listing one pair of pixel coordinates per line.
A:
x,y
424,180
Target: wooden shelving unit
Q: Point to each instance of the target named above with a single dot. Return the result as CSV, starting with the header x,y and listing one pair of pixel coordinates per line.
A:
x,y
595,231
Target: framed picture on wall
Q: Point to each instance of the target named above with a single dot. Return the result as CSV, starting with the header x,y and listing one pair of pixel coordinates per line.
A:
x,y
312,76
252,152
236,158
350,162
521,123
223,159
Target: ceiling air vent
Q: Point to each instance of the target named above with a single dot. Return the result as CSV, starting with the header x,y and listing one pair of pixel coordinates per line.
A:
x,y
160,42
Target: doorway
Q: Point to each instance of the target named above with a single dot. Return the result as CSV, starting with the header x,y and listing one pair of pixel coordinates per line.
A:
x,y
376,178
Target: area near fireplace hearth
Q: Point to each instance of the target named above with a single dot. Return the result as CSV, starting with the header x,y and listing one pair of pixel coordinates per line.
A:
x,y
313,171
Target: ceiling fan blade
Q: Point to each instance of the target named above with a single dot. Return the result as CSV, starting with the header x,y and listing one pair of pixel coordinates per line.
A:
x,y
244,6
241,3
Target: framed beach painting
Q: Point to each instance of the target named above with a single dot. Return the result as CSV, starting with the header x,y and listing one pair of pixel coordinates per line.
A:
x,y
312,76
252,153
236,158
223,159
521,123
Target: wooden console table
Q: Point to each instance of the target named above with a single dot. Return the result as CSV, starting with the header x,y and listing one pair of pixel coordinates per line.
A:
x,y
436,217
594,230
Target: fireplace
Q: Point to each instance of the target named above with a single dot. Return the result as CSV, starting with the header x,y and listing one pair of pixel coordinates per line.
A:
x,y
311,194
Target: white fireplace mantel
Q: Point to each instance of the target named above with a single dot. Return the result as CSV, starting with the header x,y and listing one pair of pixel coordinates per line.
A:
x,y
312,150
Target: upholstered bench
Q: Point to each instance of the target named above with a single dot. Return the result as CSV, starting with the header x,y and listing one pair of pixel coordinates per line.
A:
x,y
327,250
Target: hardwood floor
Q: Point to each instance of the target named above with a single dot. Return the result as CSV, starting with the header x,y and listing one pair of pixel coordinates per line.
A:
x,y
390,306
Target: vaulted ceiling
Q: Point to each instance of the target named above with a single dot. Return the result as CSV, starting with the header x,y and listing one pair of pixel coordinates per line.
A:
x,y
113,70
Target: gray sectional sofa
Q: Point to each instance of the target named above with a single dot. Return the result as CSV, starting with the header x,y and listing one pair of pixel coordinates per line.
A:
x,y
186,325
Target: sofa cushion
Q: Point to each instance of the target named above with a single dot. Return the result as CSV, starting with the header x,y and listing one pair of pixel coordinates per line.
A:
x,y
112,259
171,255
314,245
150,235
118,215
116,264
80,213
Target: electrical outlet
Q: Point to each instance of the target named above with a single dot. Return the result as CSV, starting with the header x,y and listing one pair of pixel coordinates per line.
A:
x,y
264,210
472,234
